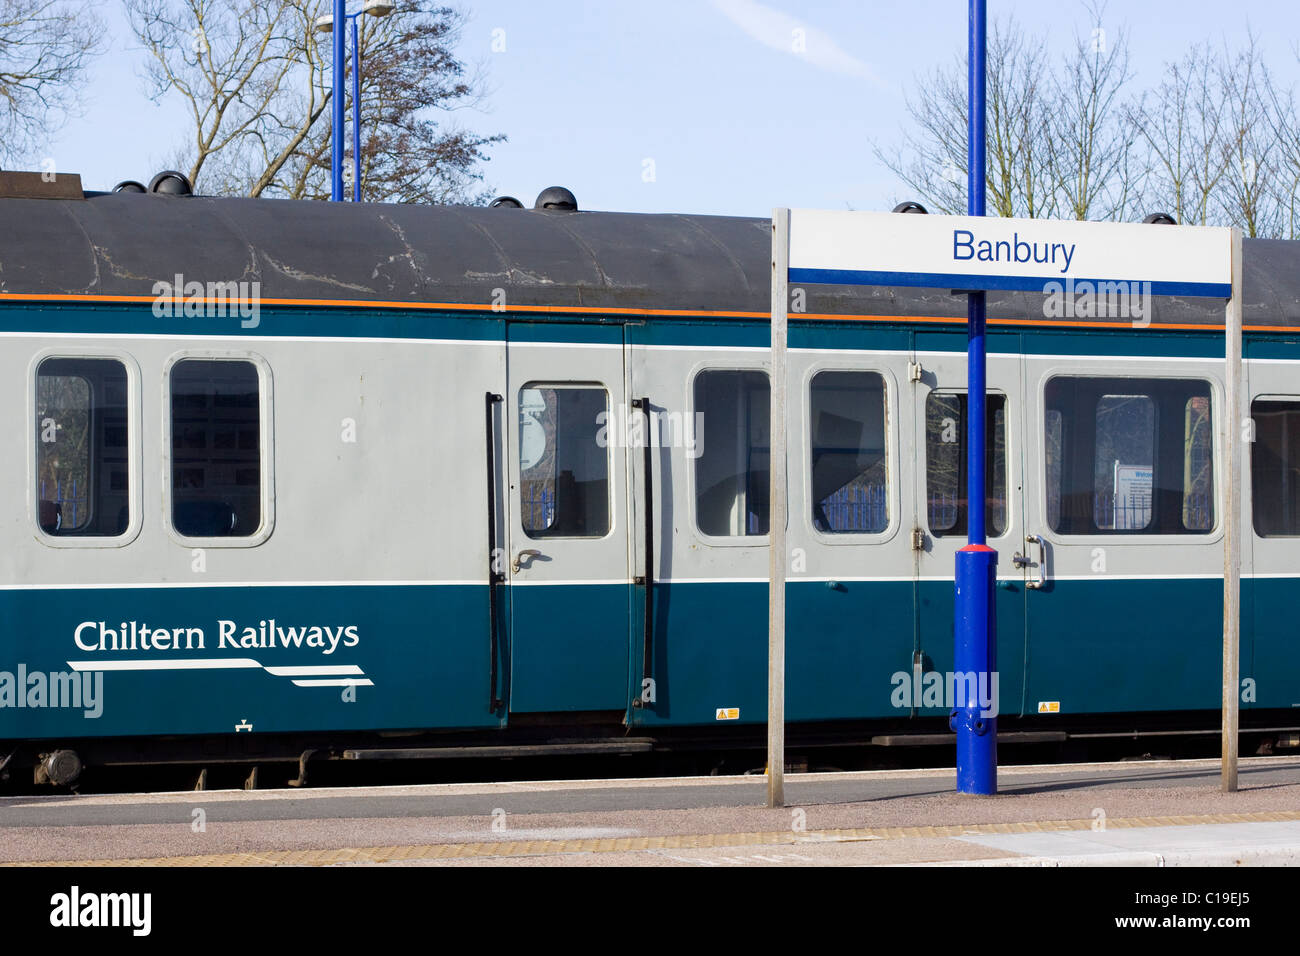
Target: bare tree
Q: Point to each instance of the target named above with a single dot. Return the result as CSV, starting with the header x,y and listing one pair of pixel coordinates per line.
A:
x,y
409,76
1094,170
257,80
1217,142
1056,143
45,47
1248,192
228,60
932,160
1284,126
1017,125
1181,124
1220,136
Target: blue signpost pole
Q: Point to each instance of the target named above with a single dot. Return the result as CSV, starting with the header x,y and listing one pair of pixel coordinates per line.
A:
x,y
974,645
336,132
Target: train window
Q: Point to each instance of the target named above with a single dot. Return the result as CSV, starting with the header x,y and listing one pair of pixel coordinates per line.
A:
x,y
848,453
82,475
216,448
1198,483
1126,433
1275,467
1052,442
564,465
1129,456
731,473
945,463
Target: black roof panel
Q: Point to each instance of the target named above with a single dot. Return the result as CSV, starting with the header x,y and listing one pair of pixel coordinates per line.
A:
x,y
121,244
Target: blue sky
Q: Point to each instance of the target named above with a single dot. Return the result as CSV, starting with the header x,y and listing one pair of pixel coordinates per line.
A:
x,y
708,91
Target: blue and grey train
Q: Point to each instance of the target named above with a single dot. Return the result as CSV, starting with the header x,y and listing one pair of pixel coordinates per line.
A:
x,y
306,480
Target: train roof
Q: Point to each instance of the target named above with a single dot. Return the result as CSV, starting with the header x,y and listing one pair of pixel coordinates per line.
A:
x,y
119,245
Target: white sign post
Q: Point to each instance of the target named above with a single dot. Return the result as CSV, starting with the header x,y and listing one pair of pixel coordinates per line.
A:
x,y
1230,427
776,516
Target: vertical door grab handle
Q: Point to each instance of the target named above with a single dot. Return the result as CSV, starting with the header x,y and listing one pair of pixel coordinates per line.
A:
x,y
1038,582
648,582
495,576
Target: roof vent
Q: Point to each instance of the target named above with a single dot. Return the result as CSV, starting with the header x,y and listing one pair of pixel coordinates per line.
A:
x,y
558,198
505,202
170,183
913,207
129,186
1160,219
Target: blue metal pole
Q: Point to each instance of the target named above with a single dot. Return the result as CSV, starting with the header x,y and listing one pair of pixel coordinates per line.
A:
x,y
336,131
974,644
356,112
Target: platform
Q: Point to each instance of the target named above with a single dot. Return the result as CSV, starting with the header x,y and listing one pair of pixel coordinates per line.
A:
x,y
1157,813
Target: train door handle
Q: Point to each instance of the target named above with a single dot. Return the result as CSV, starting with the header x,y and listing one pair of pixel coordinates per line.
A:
x,y
526,555
1023,561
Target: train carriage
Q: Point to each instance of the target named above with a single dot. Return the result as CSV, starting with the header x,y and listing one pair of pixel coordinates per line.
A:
x,y
299,476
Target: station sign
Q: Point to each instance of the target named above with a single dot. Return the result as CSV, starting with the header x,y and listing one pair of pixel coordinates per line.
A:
x,y
970,254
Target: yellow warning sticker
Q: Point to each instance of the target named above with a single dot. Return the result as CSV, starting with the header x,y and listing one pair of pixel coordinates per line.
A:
x,y
1049,706
727,713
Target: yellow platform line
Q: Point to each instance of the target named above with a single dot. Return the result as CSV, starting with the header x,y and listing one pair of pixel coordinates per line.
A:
x,y
508,848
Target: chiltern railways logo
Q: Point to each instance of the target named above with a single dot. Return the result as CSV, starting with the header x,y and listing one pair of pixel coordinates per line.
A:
x,y
128,637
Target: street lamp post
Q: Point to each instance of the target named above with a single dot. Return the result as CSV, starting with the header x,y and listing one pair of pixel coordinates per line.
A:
x,y
356,112
333,24
336,130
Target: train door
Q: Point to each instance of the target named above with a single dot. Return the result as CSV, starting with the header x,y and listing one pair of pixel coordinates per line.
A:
x,y
1124,542
567,541
1270,529
849,624
939,504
